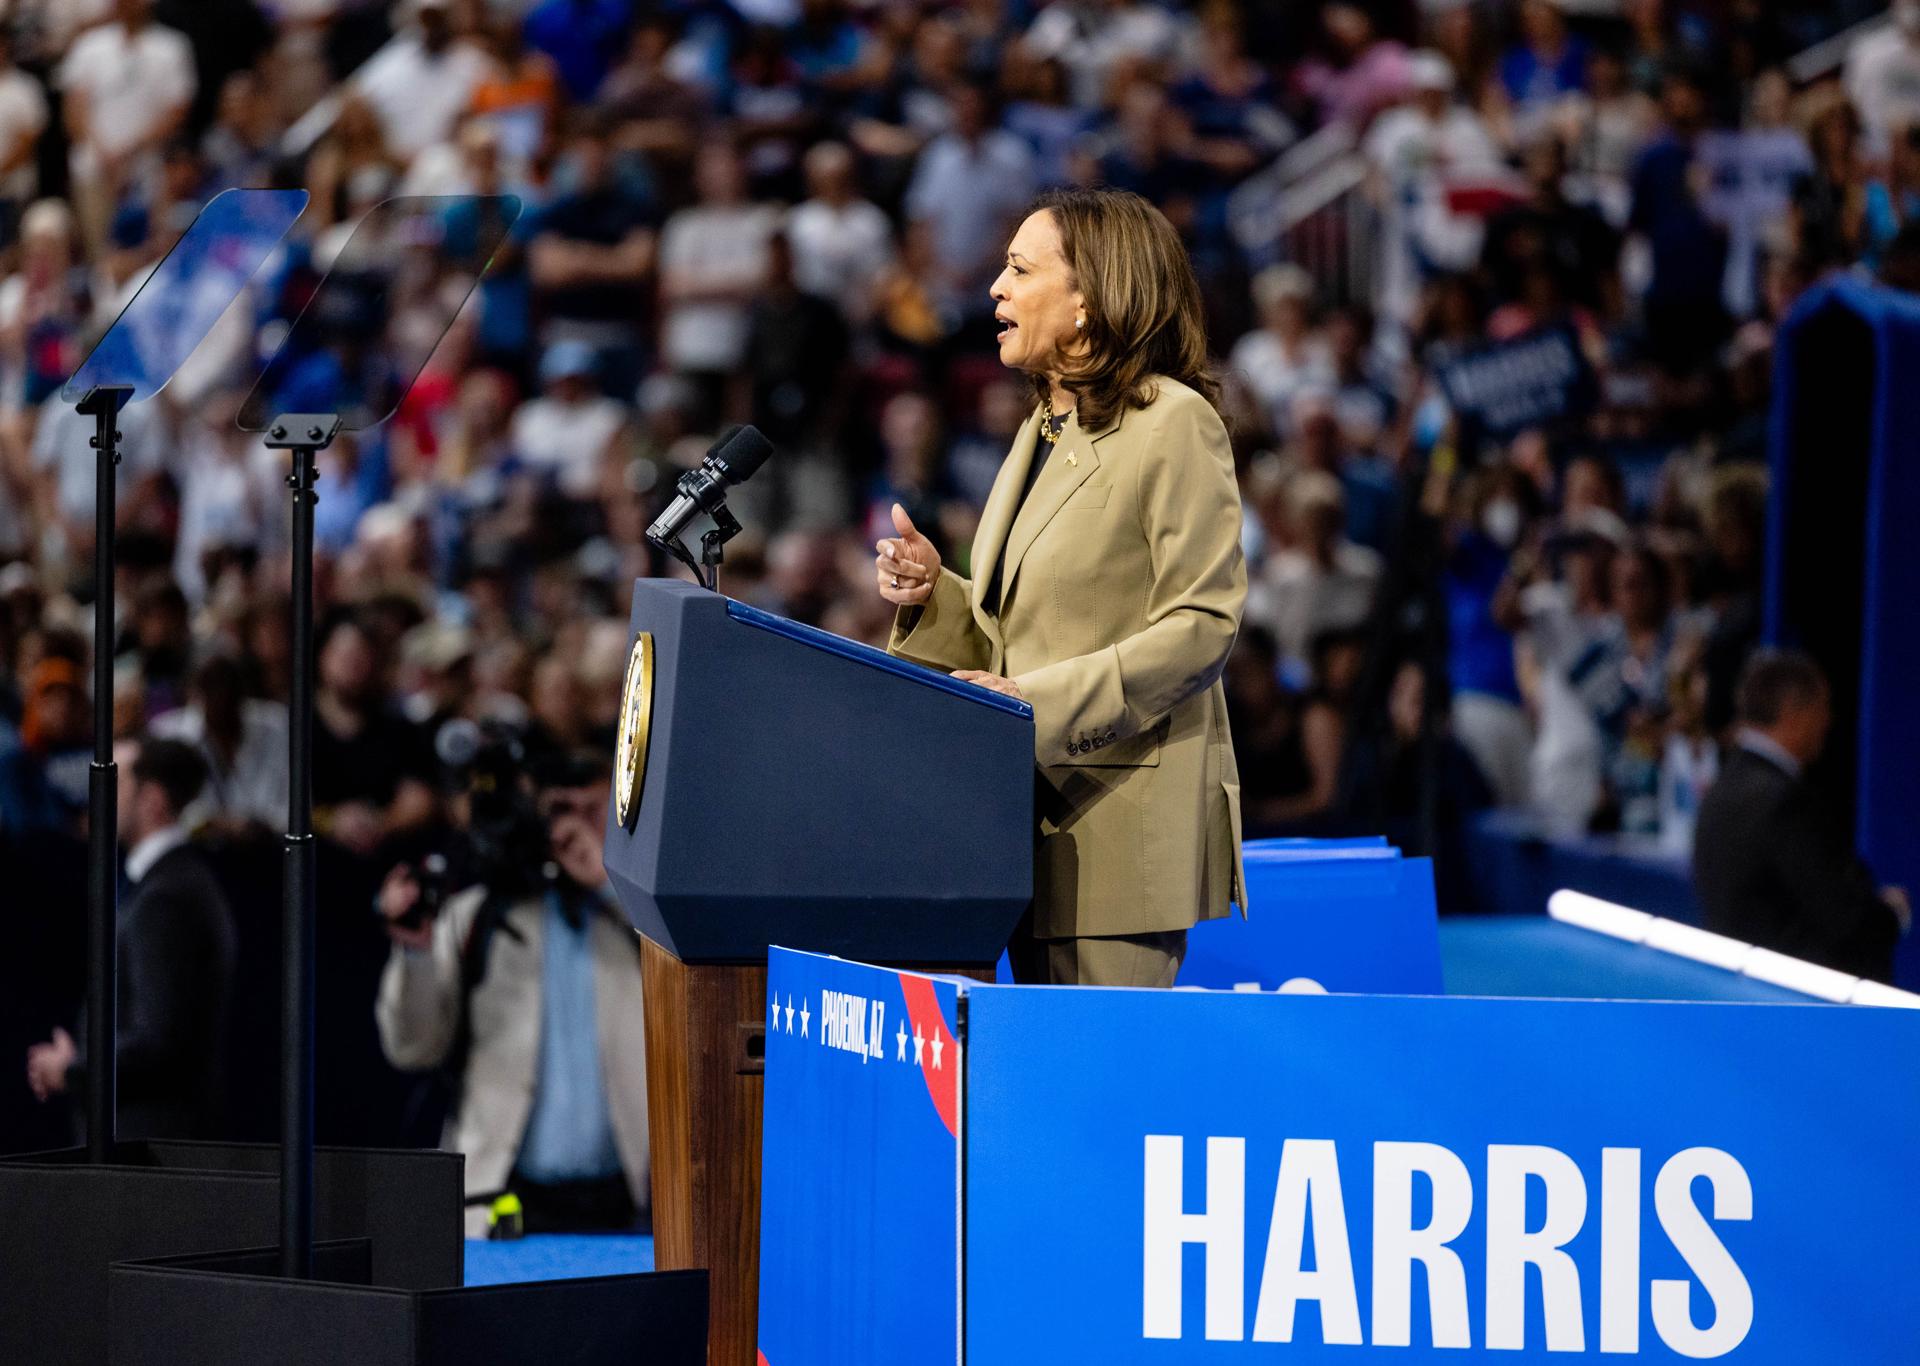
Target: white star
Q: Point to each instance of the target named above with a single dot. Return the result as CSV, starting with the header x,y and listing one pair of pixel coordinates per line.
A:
x,y
773,1009
789,1014
918,1044
803,1017
937,1046
901,1056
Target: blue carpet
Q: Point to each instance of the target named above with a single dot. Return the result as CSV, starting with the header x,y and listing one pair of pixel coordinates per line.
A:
x,y
557,1257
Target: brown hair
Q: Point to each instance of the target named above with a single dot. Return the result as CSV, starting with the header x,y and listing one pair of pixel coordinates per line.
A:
x,y
1143,304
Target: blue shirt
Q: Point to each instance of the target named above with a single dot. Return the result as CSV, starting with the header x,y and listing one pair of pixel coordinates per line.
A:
x,y
569,1135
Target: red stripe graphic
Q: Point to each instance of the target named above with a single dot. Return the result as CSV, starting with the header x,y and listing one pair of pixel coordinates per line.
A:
x,y
940,1066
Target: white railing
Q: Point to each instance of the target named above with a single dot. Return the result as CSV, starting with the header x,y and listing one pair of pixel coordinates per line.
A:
x,y
1311,207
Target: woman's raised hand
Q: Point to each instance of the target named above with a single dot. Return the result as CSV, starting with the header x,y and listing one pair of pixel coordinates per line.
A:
x,y
905,566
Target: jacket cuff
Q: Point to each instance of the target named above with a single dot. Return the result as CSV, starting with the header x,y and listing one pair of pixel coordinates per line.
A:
x,y
1078,706
936,632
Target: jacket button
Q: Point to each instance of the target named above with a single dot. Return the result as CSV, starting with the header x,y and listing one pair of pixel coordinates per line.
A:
x,y
1109,737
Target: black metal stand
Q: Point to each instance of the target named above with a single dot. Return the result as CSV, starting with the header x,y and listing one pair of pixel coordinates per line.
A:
x,y
304,434
102,403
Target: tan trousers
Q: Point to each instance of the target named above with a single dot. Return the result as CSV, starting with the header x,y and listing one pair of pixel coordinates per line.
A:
x,y
1125,960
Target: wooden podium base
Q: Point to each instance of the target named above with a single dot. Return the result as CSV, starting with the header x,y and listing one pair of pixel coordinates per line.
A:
x,y
706,1076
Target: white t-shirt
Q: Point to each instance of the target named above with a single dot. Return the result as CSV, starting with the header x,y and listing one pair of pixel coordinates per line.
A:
x,y
131,81
839,253
1883,81
713,248
418,95
567,440
23,114
1278,378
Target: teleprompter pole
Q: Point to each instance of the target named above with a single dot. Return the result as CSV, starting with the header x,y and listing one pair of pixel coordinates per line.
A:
x,y
103,403
305,436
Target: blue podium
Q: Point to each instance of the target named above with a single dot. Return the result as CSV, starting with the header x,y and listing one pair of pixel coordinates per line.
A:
x,y
777,783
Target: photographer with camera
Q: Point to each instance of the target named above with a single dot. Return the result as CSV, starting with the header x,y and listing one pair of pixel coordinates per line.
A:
x,y
523,990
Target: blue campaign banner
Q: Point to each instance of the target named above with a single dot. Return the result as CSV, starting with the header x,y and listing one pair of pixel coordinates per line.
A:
x,y
1203,1177
860,1165
1346,918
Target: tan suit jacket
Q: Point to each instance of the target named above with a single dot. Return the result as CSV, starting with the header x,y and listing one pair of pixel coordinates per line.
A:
x,y
1123,584
418,1012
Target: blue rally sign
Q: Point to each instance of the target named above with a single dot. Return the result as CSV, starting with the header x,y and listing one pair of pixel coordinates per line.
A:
x,y
860,1166
1213,1177
1343,915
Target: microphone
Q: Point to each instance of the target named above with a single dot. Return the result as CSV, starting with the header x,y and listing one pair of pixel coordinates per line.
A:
x,y
730,460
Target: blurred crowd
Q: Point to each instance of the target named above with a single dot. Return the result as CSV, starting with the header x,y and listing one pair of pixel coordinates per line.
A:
x,y
1502,469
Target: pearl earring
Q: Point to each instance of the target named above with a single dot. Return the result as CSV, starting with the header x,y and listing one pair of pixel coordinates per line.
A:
x,y
1079,323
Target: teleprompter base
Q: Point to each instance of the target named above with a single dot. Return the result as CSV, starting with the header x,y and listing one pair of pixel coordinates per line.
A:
x,y
233,1309
63,1220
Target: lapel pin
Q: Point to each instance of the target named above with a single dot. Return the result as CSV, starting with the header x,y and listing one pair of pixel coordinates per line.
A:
x,y
1072,459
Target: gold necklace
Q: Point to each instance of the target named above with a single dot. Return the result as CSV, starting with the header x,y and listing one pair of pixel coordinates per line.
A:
x,y
1047,418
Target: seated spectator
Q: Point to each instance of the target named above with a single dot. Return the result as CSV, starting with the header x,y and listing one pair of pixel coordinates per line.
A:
x,y
176,956
1768,864
1322,582
1283,358
568,433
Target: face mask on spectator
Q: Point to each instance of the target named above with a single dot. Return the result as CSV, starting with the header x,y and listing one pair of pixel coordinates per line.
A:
x,y
1501,519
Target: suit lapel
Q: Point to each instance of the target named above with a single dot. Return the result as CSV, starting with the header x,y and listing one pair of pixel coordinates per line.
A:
x,y
991,537
1073,460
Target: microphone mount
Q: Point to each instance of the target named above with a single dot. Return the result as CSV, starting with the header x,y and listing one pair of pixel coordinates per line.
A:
x,y
706,570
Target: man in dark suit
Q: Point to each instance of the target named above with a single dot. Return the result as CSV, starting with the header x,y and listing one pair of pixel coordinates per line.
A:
x,y
176,950
1769,866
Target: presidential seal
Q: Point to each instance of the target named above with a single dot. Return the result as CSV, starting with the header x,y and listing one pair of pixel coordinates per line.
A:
x,y
636,720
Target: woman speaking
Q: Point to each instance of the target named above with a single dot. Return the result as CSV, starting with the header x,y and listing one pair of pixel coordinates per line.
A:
x,y
1107,588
